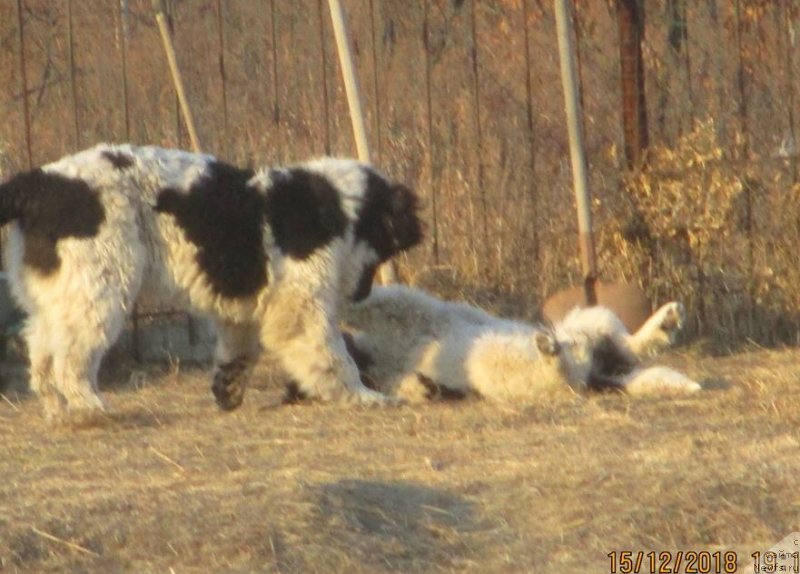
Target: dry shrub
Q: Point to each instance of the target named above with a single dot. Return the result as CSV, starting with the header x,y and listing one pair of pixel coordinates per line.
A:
x,y
718,232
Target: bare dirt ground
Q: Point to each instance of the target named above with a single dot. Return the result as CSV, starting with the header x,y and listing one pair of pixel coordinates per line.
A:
x,y
169,484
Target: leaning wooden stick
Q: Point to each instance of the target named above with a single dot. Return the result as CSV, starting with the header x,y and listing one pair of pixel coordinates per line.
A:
x,y
66,543
388,272
169,48
177,79
350,80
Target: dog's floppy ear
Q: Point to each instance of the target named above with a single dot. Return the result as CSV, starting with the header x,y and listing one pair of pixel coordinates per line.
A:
x,y
401,221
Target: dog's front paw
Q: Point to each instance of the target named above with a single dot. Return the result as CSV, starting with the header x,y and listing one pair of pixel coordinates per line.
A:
x,y
673,316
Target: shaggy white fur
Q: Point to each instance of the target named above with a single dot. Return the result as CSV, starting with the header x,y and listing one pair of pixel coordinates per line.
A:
x,y
657,333
269,255
415,342
412,338
658,380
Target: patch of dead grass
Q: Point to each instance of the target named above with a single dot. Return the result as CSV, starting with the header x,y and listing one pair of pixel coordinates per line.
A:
x,y
169,483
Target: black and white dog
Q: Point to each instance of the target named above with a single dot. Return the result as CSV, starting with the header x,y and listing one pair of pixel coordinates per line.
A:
x,y
268,254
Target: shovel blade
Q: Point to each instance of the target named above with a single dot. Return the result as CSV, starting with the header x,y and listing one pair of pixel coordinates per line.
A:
x,y
628,301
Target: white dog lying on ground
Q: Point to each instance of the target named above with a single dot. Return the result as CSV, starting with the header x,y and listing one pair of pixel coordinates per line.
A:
x,y
412,345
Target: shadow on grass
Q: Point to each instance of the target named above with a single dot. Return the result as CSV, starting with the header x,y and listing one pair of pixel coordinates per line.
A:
x,y
396,526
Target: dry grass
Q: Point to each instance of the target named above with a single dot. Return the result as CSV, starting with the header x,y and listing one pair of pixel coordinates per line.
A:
x,y
170,484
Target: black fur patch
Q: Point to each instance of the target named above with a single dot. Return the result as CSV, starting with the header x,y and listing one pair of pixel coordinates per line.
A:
x,y
292,394
608,359
364,287
601,383
609,363
224,217
439,392
118,159
361,358
230,383
388,220
304,211
49,207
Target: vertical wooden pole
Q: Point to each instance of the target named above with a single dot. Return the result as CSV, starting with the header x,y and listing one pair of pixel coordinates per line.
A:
x,y
687,63
741,81
375,83
792,143
432,181
122,37
323,54
23,72
748,191
223,78
388,273
276,103
76,130
630,18
576,149
476,89
533,194
122,27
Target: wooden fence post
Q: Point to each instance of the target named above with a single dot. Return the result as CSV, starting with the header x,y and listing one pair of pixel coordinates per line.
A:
x,y
426,42
23,71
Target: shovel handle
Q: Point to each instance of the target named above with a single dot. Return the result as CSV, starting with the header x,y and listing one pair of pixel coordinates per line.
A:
x,y
569,81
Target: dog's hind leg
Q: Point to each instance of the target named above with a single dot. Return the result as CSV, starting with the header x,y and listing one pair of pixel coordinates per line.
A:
x,y
83,330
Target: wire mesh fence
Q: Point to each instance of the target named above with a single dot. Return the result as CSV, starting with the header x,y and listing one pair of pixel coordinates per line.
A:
x,y
464,102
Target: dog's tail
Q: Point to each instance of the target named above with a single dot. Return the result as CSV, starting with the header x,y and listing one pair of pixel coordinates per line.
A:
x,y
54,204
15,194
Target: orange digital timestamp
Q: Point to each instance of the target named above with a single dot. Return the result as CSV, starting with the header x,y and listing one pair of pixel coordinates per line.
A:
x,y
675,562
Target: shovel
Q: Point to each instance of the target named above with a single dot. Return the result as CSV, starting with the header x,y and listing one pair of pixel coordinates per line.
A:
x,y
628,301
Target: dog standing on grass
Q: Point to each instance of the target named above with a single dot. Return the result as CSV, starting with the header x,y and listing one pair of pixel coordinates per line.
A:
x,y
269,255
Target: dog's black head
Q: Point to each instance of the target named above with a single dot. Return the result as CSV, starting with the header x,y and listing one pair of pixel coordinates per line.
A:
x,y
342,204
387,223
388,220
